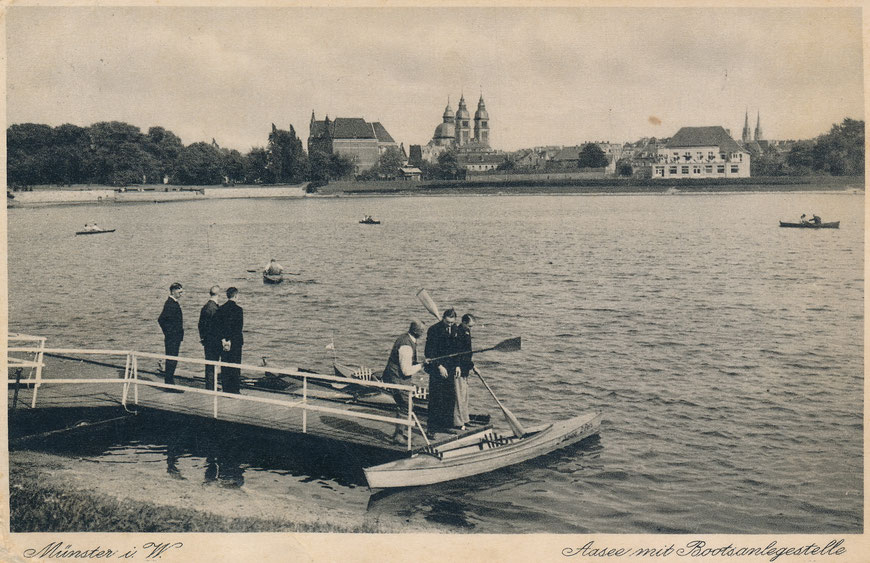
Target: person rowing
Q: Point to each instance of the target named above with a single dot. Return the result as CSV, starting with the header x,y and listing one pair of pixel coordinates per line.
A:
x,y
817,220
92,227
273,268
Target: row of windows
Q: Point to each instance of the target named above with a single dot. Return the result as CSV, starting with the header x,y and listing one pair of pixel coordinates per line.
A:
x,y
708,169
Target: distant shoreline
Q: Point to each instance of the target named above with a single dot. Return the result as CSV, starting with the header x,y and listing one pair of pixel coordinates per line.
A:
x,y
480,186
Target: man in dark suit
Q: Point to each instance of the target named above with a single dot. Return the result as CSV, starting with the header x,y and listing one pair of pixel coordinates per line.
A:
x,y
230,320
208,334
441,341
172,323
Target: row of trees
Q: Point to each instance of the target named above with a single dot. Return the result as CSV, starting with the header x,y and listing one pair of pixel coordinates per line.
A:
x,y
840,152
117,154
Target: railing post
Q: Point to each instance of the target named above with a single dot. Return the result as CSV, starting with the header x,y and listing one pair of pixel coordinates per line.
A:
x,y
126,379
217,369
39,357
135,378
305,405
410,420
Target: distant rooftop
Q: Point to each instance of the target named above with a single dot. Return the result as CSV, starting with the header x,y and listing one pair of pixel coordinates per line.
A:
x,y
703,137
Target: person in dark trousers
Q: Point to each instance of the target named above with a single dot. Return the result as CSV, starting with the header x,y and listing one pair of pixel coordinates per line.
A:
x,y
230,319
441,341
172,323
464,368
208,334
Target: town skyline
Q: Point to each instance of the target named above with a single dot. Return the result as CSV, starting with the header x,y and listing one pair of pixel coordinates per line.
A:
x,y
549,76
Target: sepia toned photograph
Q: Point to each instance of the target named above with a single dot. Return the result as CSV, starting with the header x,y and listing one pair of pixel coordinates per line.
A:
x,y
391,281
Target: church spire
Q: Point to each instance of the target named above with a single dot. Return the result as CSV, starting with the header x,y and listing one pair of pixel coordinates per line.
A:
x,y
747,132
758,134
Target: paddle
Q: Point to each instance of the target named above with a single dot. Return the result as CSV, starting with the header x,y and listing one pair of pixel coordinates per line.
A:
x,y
509,345
282,273
430,305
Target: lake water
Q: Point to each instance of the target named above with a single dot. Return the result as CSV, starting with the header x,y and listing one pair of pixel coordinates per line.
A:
x,y
726,353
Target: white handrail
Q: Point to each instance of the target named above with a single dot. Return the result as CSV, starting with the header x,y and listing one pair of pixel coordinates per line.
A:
x,y
131,377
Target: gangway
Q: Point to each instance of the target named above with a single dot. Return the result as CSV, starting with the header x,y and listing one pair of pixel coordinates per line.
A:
x,y
313,403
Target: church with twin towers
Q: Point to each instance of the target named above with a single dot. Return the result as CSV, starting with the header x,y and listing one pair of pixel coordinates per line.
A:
x,y
469,137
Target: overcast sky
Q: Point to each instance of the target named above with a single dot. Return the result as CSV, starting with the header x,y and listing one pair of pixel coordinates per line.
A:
x,y
548,76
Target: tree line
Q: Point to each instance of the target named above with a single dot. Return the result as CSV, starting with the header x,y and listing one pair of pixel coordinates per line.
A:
x,y
118,154
840,152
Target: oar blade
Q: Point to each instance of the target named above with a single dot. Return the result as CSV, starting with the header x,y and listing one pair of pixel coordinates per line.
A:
x,y
509,345
427,302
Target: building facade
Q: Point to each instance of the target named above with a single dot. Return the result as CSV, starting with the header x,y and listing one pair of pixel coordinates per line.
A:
x,y
701,152
352,137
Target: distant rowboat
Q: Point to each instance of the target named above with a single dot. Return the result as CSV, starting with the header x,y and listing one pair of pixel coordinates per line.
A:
x,y
101,231
832,225
272,278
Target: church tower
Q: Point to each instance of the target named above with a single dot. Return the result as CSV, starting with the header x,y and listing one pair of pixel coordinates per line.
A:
x,y
481,124
759,136
463,123
747,132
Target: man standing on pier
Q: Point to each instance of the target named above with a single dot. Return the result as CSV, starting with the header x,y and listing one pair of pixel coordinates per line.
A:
x,y
440,342
208,334
403,362
230,319
171,322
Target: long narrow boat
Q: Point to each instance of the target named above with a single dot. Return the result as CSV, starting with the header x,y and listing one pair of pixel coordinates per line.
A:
x,y
480,452
101,231
832,225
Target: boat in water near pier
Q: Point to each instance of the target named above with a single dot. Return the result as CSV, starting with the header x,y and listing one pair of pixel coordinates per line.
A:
x,y
352,409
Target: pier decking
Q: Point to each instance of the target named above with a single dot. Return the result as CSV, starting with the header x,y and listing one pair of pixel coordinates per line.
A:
x,y
42,378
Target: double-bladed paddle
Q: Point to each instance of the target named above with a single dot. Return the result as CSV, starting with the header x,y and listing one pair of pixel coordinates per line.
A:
x,y
282,273
509,345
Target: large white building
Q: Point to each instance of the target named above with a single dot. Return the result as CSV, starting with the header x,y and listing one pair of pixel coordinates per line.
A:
x,y
701,152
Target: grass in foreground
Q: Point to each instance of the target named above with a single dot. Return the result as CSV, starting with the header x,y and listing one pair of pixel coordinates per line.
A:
x,y
40,508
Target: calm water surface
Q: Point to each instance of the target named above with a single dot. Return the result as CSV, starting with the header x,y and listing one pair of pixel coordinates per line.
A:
x,y
725,352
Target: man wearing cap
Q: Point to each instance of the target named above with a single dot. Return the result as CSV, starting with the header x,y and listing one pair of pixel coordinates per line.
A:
x,y
403,362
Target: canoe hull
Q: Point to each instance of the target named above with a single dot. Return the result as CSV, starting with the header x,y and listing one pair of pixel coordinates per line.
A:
x,y
832,225
480,453
95,232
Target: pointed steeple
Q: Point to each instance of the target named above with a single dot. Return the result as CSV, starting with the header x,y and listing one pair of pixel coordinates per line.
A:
x,y
759,136
747,132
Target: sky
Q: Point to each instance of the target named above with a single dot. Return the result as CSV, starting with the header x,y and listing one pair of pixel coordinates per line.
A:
x,y
549,76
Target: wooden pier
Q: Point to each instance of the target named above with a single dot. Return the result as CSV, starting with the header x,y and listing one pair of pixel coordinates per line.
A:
x,y
338,408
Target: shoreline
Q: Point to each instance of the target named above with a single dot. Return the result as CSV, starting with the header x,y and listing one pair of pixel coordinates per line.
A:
x,y
58,197
77,495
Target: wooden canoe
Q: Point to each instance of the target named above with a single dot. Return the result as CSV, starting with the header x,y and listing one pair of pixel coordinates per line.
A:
x,y
273,278
480,452
95,232
832,225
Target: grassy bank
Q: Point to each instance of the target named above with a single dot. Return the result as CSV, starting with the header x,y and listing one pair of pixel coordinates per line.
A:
x,y
39,507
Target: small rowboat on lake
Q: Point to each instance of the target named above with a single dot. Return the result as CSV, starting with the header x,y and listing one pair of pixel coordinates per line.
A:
x,y
272,278
480,452
99,232
832,225
369,221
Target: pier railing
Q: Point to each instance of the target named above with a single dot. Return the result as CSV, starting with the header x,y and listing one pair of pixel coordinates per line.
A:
x,y
132,381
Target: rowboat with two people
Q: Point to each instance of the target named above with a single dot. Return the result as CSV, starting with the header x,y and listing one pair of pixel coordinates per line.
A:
x,y
369,220
814,223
